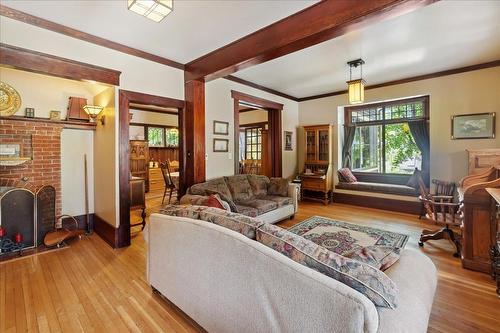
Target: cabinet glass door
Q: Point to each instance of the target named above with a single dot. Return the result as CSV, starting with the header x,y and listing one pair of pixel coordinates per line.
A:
x,y
310,145
323,145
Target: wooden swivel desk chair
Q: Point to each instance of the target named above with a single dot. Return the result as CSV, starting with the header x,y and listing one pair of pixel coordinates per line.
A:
x,y
441,210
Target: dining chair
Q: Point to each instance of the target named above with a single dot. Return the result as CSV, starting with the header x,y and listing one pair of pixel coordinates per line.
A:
x,y
169,183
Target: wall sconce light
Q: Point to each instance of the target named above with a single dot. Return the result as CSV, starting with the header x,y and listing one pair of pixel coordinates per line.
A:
x,y
93,111
155,10
356,88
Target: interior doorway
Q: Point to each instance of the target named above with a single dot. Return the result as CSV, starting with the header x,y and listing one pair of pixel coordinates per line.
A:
x,y
150,156
257,135
154,159
254,155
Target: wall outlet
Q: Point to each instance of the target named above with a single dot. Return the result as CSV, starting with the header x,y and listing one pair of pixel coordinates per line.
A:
x,y
206,157
230,156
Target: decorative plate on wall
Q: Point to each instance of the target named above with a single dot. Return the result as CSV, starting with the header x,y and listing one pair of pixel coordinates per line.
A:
x,y
10,101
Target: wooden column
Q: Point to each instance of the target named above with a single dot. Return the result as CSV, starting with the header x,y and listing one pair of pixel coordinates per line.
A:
x,y
193,124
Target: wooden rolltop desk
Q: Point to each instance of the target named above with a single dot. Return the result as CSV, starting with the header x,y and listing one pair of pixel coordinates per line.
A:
x,y
317,181
479,225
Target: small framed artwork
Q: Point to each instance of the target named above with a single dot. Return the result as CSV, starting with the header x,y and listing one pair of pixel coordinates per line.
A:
x,y
11,150
221,127
473,126
30,113
288,140
221,145
55,115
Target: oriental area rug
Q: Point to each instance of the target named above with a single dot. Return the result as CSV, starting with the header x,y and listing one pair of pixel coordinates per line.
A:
x,y
344,238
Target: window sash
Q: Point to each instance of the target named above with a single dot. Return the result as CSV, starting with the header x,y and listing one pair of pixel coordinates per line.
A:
x,y
384,113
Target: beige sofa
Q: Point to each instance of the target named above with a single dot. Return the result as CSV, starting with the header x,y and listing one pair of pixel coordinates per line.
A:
x,y
227,282
251,195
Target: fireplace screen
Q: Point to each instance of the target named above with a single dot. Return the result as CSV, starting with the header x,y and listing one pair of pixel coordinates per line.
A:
x,y
17,214
45,211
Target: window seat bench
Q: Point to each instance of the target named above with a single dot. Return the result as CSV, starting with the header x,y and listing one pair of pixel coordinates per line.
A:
x,y
378,188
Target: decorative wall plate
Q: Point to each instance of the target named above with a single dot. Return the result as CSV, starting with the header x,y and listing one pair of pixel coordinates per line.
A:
x,y
10,101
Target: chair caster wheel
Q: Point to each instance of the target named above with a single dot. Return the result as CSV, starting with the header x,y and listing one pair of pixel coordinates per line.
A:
x,y
421,244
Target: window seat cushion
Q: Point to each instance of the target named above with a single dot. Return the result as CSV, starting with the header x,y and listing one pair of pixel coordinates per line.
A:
x,y
378,188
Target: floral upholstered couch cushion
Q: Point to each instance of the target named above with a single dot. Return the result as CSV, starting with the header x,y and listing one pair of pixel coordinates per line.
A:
x,y
371,282
245,225
250,195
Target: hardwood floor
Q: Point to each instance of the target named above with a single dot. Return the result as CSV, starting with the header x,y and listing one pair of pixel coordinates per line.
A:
x,y
93,288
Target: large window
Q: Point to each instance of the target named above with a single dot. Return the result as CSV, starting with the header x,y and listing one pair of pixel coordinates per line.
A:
x,y
163,136
383,142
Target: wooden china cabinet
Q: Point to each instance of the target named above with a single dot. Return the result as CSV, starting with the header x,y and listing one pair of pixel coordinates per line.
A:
x,y
139,160
317,183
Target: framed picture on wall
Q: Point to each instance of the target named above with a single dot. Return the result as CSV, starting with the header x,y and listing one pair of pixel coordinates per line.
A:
x,y
221,145
473,126
288,140
221,127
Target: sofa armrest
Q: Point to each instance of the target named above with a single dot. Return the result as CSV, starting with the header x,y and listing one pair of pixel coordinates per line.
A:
x,y
193,199
293,192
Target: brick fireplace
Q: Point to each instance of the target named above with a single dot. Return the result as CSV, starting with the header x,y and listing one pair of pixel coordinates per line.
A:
x,y
45,145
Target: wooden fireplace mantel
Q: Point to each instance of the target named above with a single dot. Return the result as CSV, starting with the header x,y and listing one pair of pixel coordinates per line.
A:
x,y
66,123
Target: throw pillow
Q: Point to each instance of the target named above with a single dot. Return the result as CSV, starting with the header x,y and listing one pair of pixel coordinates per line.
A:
x,y
278,186
414,179
378,256
369,281
215,201
245,225
259,185
347,175
230,202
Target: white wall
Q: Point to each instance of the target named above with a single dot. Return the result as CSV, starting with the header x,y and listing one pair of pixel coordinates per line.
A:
x,y
470,92
74,145
219,106
137,74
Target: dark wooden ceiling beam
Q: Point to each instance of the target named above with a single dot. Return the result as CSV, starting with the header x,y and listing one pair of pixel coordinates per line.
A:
x,y
321,22
262,88
62,29
42,63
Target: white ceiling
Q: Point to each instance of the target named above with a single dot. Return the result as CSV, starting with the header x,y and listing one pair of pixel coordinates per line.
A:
x,y
444,35
193,29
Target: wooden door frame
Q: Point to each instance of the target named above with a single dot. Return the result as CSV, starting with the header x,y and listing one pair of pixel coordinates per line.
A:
x,y
274,110
122,237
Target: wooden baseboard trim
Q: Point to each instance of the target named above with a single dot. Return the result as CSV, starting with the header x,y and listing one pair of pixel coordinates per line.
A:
x,y
394,205
81,219
106,231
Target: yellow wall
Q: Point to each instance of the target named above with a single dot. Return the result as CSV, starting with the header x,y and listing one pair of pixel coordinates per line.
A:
x,y
470,92
106,169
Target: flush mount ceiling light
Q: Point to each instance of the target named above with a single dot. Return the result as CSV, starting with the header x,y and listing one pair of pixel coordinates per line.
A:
x,y
155,10
356,88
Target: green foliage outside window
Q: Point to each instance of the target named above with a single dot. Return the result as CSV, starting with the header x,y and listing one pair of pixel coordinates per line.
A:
x,y
163,137
172,137
156,136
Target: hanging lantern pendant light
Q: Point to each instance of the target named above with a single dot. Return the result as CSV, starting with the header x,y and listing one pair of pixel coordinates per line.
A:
x,y
356,88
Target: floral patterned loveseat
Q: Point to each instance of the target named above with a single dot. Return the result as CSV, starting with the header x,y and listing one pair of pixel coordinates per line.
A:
x,y
267,199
